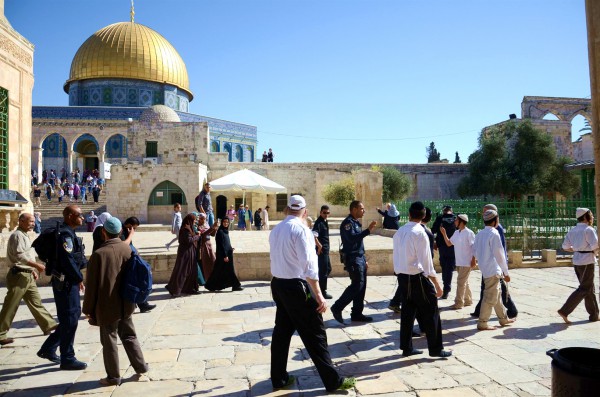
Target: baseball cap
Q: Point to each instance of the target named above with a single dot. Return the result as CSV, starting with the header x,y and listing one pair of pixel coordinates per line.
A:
x,y
296,202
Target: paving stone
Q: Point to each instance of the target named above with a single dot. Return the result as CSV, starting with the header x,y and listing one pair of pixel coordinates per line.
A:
x,y
534,388
378,384
430,378
154,388
221,387
161,355
455,392
471,379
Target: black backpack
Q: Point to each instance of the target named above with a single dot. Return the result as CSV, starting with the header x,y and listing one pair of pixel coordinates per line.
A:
x,y
46,247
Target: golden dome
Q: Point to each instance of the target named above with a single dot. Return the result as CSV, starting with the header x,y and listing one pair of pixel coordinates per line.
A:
x,y
128,50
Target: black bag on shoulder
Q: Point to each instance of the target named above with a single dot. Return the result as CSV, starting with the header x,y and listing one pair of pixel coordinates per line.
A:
x,y
46,247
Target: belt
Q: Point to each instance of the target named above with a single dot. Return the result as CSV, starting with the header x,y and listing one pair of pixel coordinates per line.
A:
x,y
16,269
585,252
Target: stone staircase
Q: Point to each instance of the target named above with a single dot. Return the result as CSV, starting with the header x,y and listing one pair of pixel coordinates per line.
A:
x,y
52,211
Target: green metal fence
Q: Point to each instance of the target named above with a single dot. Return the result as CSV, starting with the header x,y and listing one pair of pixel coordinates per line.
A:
x,y
531,225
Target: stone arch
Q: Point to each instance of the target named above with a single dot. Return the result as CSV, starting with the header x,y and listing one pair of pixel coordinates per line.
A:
x,y
228,149
565,109
239,153
115,146
167,193
250,150
85,151
54,154
214,147
550,116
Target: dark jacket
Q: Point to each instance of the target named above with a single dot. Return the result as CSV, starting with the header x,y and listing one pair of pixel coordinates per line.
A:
x,y
447,222
103,301
322,228
352,237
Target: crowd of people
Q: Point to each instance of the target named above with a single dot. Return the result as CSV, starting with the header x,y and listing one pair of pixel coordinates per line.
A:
x,y
68,187
300,267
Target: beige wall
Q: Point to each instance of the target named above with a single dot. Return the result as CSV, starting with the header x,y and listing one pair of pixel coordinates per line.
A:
x,y
16,75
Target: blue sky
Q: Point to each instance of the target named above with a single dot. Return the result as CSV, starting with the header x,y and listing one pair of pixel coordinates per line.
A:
x,y
341,80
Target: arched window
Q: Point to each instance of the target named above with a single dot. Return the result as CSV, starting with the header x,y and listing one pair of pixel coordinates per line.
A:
x,y
250,150
86,144
214,147
54,146
227,148
167,193
239,153
550,116
116,147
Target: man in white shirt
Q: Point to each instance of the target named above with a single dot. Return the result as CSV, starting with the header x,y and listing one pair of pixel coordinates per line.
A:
x,y
265,218
462,240
583,241
418,285
299,300
493,265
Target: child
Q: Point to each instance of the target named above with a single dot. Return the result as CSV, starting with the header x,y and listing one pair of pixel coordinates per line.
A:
x,y
175,224
462,240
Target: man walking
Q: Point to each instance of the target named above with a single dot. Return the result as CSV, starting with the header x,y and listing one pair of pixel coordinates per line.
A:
x,y
493,265
511,308
582,240
204,204
265,218
20,282
447,259
321,231
418,285
67,282
355,264
105,307
129,227
299,300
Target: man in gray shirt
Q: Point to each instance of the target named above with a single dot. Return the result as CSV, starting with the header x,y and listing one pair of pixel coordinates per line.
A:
x,y
20,283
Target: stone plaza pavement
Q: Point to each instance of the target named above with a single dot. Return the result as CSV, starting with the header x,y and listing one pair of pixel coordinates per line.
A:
x,y
218,344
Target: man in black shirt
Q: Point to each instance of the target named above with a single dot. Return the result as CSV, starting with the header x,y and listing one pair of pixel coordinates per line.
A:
x,y
447,259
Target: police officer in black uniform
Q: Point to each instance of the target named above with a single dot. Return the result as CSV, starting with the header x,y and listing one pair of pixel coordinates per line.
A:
x,y
67,282
447,259
355,264
321,232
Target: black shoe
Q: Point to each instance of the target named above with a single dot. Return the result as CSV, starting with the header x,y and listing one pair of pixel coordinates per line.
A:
x,y
6,341
445,295
74,365
337,314
327,296
240,288
362,318
474,314
290,381
146,308
49,356
443,353
413,352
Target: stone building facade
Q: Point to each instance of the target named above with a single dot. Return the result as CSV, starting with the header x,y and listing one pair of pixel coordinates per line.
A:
x,y
16,86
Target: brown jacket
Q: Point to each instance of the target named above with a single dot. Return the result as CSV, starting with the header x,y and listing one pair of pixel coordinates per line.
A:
x,y
103,301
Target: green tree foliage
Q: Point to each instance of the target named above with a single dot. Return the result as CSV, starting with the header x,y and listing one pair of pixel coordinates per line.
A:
x,y
340,192
396,185
432,153
514,159
457,159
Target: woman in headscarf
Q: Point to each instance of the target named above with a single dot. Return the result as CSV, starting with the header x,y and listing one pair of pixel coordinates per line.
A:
x,y
184,278
223,275
97,235
391,217
206,254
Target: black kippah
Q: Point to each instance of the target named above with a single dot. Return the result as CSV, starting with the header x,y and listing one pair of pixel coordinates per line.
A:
x,y
417,206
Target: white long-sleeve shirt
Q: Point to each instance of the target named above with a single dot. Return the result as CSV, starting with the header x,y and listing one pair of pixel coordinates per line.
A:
x,y
411,251
463,241
582,238
293,253
490,253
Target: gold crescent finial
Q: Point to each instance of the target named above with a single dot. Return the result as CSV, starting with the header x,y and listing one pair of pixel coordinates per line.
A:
x,y
132,13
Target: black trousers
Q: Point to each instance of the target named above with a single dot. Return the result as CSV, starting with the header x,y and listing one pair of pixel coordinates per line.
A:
x,y
68,310
511,309
417,295
355,292
324,269
448,264
297,311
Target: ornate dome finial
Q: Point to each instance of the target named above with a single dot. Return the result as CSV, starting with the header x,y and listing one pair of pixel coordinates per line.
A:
x,y
132,12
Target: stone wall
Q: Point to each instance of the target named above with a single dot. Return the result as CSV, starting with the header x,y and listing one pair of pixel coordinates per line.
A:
x,y
16,76
130,187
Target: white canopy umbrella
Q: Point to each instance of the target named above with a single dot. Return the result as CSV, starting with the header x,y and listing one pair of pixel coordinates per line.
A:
x,y
246,181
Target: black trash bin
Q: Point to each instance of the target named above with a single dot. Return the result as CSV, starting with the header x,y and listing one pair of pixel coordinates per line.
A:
x,y
575,372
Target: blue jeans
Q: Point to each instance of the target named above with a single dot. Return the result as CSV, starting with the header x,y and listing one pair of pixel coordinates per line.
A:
x,y
210,218
68,310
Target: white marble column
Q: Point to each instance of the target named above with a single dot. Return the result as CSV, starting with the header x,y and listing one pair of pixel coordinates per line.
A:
x,y
70,163
101,155
37,161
